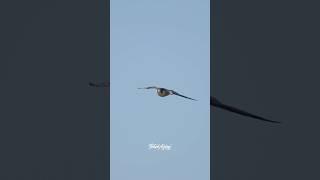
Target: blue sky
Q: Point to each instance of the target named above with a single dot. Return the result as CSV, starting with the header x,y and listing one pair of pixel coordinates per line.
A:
x,y
160,43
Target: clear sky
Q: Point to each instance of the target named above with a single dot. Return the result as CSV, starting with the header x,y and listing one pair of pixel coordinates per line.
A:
x,y
160,43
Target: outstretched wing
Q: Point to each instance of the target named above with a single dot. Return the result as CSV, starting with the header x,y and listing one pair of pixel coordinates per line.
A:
x,y
100,84
151,87
218,104
175,93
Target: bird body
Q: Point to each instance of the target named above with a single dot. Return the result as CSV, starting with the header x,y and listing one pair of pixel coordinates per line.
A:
x,y
163,92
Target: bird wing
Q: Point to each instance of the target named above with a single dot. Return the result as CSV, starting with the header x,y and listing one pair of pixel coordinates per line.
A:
x,y
218,104
151,87
175,93
100,84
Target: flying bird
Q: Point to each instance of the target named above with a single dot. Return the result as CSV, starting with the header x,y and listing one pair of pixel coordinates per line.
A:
x,y
162,92
216,103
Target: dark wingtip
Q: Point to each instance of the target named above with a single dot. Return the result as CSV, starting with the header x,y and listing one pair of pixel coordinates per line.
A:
x,y
214,102
268,120
91,84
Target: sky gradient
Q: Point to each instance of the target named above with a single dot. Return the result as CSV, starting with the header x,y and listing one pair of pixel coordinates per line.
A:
x,y
167,44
